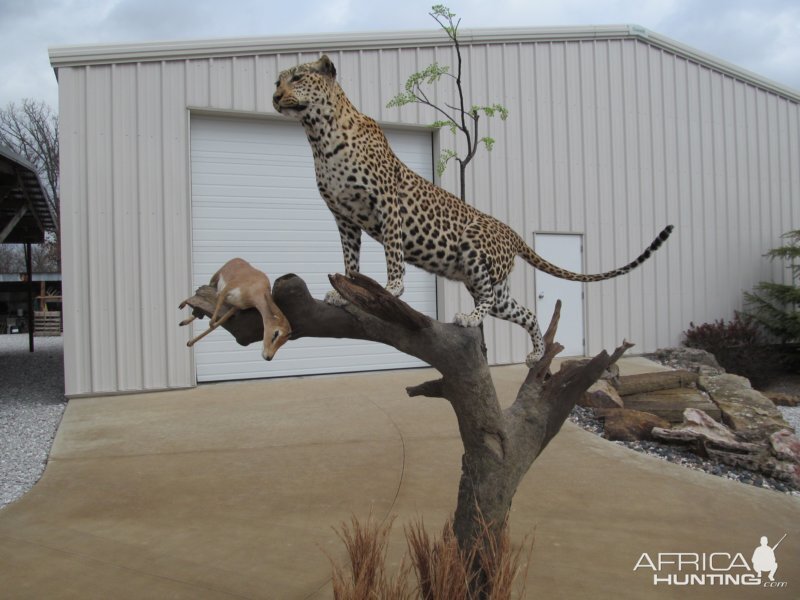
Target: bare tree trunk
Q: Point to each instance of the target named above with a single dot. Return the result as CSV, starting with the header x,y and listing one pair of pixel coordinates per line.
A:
x,y
499,445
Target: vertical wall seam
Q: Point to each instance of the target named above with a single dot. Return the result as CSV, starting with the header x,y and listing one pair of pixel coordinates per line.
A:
x,y
600,310
613,184
89,300
567,140
164,196
140,246
625,194
639,129
112,220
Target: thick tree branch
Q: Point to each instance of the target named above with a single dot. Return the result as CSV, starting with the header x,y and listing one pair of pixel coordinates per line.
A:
x,y
541,369
371,297
499,446
442,345
431,389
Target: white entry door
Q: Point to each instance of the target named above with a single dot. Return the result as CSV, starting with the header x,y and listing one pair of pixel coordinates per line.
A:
x,y
254,195
565,251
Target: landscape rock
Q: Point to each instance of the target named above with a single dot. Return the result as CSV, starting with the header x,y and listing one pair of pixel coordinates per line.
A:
x,y
671,404
780,399
698,427
628,385
601,395
629,425
746,411
752,461
779,457
781,469
691,359
785,446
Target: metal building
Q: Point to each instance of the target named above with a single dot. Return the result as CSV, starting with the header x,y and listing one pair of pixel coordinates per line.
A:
x,y
173,160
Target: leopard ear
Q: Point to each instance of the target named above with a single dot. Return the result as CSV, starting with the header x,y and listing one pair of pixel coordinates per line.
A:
x,y
325,66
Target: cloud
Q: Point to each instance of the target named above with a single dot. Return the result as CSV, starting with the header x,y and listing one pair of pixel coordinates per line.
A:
x,y
763,37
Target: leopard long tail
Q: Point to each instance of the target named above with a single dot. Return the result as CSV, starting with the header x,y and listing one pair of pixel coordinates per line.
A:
x,y
537,262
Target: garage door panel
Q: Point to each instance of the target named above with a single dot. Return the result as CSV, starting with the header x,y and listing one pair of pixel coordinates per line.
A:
x,y
254,195
254,226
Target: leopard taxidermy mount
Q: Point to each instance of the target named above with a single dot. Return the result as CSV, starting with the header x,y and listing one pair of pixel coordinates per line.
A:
x,y
367,188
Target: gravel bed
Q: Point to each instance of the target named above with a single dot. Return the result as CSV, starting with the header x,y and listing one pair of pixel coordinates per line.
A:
x,y
792,416
31,406
789,385
584,417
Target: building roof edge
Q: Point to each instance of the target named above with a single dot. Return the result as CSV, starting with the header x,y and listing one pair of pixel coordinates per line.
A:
x,y
97,54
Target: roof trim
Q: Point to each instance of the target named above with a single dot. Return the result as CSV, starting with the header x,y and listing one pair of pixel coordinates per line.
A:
x,y
136,52
98,54
17,158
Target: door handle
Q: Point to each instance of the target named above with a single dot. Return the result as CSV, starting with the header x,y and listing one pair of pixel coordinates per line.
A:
x,y
541,296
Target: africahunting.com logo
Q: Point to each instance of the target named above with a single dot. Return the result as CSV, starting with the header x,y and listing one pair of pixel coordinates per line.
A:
x,y
715,568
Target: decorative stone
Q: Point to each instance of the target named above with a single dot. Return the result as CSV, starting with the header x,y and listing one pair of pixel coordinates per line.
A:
x,y
781,469
746,411
698,427
628,385
670,404
779,457
629,425
753,461
779,399
785,446
691,359
601,395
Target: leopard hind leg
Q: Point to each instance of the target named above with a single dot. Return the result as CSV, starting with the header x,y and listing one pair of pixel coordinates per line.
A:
x,y
480,287
507,308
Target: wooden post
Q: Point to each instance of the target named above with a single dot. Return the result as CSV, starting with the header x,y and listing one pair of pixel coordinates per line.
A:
x,y
29,269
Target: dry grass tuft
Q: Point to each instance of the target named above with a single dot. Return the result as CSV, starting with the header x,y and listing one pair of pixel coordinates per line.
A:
x,y
366,578
501,564
443,570
489,570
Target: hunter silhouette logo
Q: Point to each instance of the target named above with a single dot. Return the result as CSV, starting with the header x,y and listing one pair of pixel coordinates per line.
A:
x,y
714,568
764,558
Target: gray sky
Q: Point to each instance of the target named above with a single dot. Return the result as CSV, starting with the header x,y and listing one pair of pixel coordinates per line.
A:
x,y
762,36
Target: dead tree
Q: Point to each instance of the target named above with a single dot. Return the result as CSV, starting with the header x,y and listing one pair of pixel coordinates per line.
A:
x,y
499,445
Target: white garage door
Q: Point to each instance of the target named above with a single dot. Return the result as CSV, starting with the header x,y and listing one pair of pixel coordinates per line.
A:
x,y
254,196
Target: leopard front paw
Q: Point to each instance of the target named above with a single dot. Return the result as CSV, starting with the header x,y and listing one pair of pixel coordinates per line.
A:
x,y
395,288
533,358
335,298
467,320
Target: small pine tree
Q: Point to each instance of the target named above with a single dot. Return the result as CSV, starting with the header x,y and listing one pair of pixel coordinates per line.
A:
x,y
776,306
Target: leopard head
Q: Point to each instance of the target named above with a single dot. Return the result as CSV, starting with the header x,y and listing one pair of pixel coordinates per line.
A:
x,y
304,86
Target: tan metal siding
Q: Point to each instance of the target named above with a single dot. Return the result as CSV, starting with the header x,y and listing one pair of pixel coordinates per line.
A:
x,y
126,276
610,138
74,228
102,351
176,201
150,220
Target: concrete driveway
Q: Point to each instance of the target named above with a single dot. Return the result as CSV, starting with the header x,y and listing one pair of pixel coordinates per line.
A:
x,y
231,491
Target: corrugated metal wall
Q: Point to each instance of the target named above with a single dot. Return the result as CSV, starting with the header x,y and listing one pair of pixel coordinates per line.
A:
x,y
610,138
